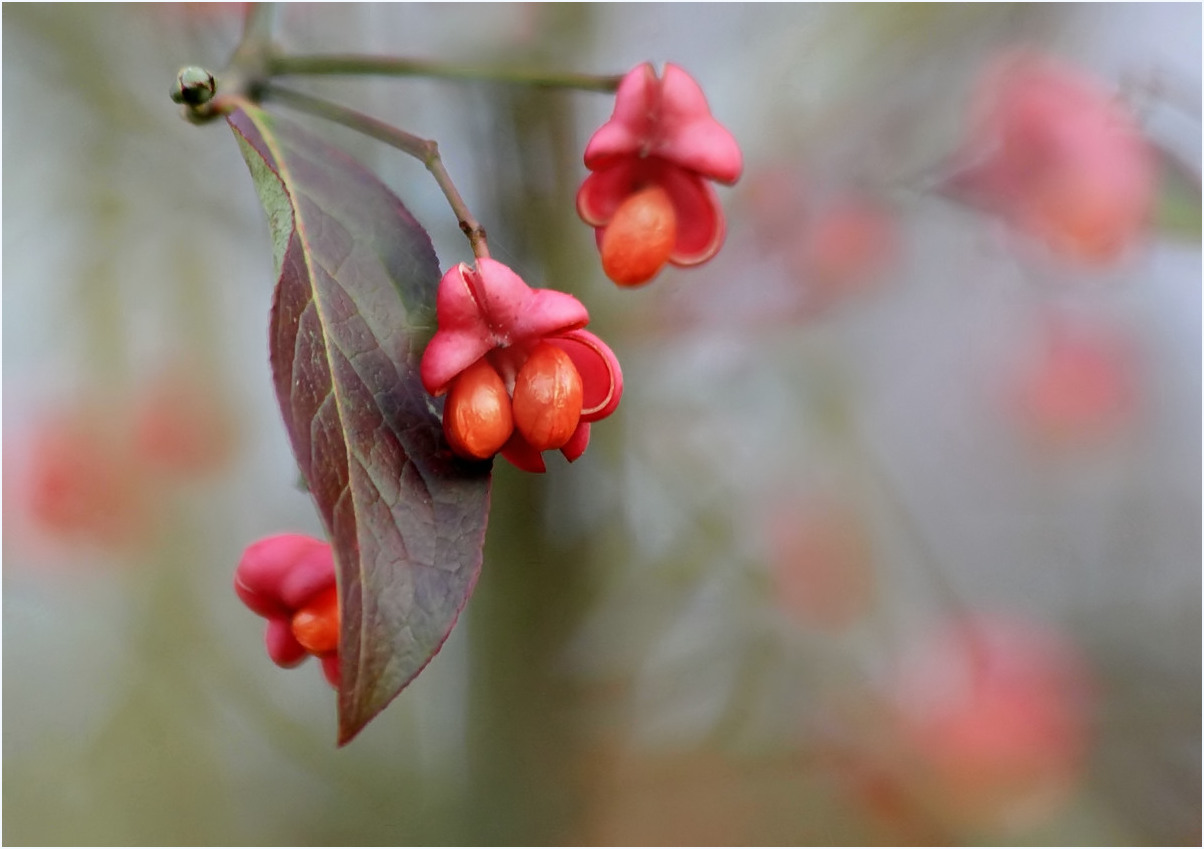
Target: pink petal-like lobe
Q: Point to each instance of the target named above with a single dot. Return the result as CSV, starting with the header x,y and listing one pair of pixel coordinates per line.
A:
x,y
486,307
603,191
629,132
577,443
666,118
600,372
701,225
279,574
522,455
282,646
689,136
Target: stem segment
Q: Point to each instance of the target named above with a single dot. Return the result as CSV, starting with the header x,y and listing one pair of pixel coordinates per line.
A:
x,y
255,63
358,65
424,150
259,24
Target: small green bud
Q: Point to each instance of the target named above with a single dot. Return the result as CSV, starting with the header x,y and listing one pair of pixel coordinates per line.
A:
x,y
194,86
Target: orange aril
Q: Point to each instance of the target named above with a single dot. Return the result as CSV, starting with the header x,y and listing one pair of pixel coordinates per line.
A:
x,y
548,394
640,237
476,418
316,626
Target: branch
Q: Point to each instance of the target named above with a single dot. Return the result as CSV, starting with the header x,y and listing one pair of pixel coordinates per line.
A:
x,y
360,65
424,150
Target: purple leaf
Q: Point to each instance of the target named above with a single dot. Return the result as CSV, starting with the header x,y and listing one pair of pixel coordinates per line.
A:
x,y
353,308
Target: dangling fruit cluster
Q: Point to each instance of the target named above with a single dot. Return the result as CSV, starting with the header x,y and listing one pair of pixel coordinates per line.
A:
x,y
543,403
289,580
520,372
649,196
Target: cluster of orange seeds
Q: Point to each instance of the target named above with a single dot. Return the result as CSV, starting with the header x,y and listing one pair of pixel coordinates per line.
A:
x,y
544,405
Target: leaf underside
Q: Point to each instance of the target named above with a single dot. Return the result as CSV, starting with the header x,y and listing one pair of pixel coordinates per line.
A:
x,y
353,306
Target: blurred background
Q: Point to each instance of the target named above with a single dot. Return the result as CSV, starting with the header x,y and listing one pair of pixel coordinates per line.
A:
x,y
894,539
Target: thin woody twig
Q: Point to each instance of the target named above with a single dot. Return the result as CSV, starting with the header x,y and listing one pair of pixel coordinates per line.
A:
x,y
361,65
424,150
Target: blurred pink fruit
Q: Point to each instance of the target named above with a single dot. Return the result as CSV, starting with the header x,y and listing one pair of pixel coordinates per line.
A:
x,y
846,246
774,203
79,484
1079,387
1057,156
182,426
821,564
993,713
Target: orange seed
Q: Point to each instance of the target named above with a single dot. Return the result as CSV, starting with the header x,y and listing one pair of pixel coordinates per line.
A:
x,y
316,626
476,418
548,394
637,242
